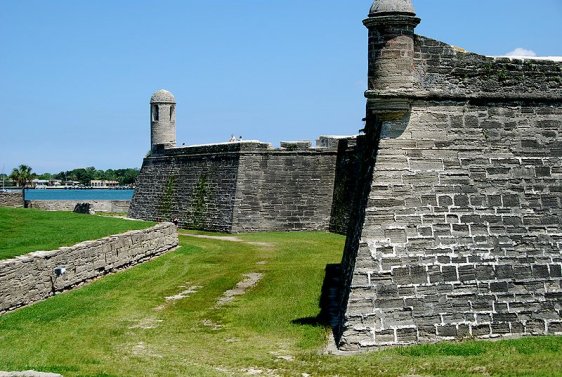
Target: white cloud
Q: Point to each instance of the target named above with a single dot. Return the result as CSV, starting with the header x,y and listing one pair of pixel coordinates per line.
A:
x,y
521,52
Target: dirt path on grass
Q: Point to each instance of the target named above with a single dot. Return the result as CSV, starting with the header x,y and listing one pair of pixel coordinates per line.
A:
x,y
218,238
250,280
227,238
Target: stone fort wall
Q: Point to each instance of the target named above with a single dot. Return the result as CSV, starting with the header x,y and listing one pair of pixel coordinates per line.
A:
x,y
284,191
348,163
197,188
239,187
457,227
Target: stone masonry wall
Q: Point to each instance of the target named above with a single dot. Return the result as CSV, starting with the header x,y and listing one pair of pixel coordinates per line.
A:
x,y
11,199
114,206
348,161
284,191
444,70
238,187
30,278
461,232
196,187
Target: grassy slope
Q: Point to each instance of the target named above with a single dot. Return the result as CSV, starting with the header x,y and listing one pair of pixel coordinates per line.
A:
x,y
112,327
26,230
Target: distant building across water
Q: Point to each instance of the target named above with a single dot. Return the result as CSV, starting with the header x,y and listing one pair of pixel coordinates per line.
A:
x,y
103,183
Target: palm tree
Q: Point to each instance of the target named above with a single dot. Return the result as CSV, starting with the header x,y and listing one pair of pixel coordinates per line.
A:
x,y
22,175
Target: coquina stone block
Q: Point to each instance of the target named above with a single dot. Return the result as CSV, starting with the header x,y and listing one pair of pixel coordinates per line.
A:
x,y
11,199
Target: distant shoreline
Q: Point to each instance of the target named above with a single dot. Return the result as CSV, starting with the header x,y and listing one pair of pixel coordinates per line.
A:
x,y
79,188
14,189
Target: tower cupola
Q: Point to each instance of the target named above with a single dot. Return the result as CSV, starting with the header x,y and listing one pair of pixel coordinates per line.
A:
x,y
162,120
381,7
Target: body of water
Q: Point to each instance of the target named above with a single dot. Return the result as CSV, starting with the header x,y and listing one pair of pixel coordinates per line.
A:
x,y
93,194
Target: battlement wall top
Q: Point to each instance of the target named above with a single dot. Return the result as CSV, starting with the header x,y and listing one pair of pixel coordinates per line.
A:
x,y
540,58
229,147
324,144
447,72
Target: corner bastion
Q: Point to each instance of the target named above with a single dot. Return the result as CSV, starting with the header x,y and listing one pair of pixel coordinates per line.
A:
x,y
456,222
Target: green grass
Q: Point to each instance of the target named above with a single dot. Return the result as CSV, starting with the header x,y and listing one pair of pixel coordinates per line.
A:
x,y
97,330
26,230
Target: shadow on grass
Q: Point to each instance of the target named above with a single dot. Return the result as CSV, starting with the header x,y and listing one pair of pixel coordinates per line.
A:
x,y
328,316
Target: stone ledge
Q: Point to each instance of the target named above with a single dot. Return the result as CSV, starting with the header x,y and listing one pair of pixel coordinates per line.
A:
x,y
453,96
29,373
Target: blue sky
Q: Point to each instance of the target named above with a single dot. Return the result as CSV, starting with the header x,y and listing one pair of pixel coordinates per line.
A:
x,y
76,76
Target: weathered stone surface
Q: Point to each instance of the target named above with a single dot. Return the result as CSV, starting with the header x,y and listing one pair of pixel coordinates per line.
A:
x,y
11,199
350,155
35,276
458,227
284,190
196,186
241,187
114,206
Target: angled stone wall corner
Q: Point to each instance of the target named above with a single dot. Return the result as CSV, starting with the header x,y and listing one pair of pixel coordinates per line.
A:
x,y
456,229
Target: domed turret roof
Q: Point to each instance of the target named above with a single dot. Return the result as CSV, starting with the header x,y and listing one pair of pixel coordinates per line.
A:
x,y
392,6
162,96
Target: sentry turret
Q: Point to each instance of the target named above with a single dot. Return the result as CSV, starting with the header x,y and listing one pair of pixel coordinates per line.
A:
x,y
391,25
162,120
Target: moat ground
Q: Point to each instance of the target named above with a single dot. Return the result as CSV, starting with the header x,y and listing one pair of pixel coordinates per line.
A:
x,y
163,318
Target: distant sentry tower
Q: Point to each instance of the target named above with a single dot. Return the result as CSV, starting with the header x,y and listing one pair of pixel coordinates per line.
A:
x,y
162,120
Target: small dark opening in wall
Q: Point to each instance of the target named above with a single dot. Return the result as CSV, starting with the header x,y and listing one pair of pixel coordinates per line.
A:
x,y
172,110
155,114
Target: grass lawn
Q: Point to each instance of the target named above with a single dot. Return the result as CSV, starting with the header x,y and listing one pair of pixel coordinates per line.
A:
x,y
25,230
123,325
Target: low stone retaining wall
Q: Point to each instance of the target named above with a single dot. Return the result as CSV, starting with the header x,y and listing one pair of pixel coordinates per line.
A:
x,y
29,373
39,275
115,206
11,199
